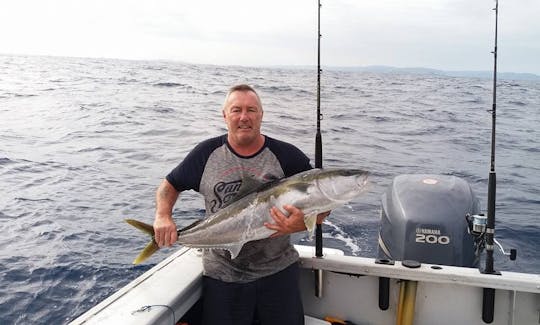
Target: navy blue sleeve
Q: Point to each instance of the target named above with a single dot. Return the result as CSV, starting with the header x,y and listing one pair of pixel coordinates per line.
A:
x,y
291,159
187,175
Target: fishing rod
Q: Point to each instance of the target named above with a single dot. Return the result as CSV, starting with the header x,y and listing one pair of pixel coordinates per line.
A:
x,y
492,175
318,153
488,304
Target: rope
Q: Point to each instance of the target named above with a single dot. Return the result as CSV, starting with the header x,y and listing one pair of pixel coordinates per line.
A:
x,y
147,308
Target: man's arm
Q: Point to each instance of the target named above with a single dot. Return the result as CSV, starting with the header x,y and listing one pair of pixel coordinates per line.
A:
x,y
164,227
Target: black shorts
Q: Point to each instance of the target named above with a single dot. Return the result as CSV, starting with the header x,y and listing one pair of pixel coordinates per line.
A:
x,y
271,300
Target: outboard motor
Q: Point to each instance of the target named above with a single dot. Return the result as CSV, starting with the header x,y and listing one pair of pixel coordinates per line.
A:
x,y
423,218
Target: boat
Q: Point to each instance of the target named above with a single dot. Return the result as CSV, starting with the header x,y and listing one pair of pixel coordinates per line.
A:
x,y
358,290
428,271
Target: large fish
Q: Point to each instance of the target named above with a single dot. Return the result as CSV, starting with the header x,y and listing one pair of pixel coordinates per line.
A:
x,y
313,192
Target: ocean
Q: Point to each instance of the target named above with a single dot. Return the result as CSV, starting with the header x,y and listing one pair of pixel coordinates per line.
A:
x,y
84,143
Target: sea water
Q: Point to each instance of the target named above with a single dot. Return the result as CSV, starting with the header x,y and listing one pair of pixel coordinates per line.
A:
x,y
84,143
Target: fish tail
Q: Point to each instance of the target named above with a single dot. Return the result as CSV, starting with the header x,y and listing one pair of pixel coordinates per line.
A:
x,y
152,246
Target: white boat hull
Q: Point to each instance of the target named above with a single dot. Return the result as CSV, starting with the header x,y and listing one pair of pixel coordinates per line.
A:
x,y
445,294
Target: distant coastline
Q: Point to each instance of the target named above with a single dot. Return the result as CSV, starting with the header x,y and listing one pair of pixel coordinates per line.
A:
x,y
423,71
428,71
370,68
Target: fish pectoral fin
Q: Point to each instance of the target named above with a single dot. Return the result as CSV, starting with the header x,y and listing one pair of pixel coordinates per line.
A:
x,y
235,250
310,221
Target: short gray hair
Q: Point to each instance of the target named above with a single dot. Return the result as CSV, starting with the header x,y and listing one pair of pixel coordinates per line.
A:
x,y
244,88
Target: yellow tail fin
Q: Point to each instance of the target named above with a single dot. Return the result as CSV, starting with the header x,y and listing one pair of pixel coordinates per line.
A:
x,y
152,247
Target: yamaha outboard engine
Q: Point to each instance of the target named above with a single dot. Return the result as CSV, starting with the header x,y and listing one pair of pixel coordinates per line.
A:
x,y
423,218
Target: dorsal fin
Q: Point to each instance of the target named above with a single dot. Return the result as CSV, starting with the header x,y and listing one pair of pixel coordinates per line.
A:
x,y
193,224
249,185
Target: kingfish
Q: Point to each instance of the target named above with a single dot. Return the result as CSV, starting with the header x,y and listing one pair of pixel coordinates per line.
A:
x,y
314,191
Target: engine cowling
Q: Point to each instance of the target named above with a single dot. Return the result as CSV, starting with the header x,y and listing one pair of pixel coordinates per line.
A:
x,y
423,219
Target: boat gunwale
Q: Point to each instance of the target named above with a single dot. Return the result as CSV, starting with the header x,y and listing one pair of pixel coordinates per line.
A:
x,y
128,289
359,266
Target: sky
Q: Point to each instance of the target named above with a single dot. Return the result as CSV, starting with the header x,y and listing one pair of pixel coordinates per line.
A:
x,y
441,34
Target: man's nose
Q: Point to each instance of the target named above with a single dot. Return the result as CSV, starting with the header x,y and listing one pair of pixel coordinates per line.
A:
x,y
244,115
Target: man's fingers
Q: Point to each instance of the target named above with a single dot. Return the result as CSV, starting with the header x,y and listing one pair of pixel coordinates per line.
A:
x,y
286,223
157,237
165,232
276,234
174,236
166,239
277,215
271,226
291,209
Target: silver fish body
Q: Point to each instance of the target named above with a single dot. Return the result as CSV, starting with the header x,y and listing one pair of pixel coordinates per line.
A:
x,y
314,191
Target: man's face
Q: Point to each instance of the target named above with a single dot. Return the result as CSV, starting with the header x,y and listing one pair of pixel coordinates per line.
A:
x,y
243,114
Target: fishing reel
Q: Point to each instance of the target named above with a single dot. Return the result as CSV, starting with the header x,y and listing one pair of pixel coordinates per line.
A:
x,y
477,226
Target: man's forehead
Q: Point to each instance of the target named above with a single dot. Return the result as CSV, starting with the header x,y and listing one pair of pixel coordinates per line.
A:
x,y
234,97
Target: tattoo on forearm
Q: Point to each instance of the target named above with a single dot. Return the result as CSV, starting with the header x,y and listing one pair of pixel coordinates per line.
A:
x,y
164,192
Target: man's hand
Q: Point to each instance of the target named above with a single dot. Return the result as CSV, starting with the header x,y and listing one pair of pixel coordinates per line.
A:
x,y
292,223
165,231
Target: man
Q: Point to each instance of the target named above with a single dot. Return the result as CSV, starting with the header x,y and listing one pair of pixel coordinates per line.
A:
x,y
262,281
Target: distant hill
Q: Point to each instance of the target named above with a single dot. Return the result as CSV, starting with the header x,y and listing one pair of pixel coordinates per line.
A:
x,y
428,71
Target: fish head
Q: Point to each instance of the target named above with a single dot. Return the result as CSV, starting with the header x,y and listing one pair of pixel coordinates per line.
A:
x,y
341,184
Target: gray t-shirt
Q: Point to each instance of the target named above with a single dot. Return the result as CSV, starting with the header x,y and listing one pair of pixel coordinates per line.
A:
x,y
213,169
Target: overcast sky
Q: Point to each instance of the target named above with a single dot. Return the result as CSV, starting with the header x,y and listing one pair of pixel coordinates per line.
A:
x,y
440,34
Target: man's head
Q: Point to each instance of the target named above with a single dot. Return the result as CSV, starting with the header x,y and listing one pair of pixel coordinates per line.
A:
x,y
243,114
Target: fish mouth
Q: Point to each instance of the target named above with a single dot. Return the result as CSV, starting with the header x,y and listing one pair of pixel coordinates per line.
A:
x,y
362,179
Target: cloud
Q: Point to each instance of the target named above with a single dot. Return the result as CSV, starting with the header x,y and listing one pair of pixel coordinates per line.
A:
x,y
443,34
